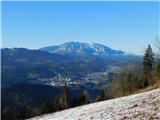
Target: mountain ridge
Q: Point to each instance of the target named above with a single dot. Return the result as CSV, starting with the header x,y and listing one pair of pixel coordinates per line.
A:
x,y
78,48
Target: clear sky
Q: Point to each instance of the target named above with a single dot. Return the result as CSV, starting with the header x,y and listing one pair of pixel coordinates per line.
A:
x,y
128,26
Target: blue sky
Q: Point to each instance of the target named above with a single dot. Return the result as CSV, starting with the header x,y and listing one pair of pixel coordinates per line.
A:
x,y
128,26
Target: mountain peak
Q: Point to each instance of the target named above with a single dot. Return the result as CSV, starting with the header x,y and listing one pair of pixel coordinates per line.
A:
x,y
77,48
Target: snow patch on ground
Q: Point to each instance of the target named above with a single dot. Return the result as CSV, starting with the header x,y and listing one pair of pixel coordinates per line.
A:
x,y
143,106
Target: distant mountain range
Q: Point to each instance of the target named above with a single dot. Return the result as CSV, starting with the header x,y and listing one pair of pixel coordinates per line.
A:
x,y
77,48
74,59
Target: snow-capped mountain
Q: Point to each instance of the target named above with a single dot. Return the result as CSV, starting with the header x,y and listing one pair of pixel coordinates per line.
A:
x,y
82,49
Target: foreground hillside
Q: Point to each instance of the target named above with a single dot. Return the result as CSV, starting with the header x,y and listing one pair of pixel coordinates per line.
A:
x,y
143,106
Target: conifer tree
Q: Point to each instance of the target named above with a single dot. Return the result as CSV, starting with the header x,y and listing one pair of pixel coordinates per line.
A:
x,y
25,112
8,113
148,62
102,96
158,69
83,98
122,86
158,61
129,82
66,96
46,107
64,99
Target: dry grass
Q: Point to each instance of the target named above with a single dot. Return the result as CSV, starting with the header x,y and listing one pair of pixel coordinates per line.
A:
x,y
155,86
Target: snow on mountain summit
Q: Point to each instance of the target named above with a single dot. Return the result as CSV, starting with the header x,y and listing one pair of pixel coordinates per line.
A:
x,y
82,48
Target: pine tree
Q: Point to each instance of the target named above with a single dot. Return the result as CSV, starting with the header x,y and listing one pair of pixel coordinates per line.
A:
x,y
66,96
129,82
8,113
102,96
83,98
123,86
64,99
74,102
158,68
148,62
46,107
25,112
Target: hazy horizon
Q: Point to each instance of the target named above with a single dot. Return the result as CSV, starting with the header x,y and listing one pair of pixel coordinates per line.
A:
x,y
126,26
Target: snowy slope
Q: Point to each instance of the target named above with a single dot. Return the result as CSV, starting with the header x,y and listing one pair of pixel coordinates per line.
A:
x,y
144,106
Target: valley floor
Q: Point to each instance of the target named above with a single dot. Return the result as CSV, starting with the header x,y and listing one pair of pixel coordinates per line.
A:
x,y
143,106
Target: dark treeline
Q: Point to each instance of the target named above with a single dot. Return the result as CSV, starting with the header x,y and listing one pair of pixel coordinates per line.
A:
x,y
63,101
126,82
